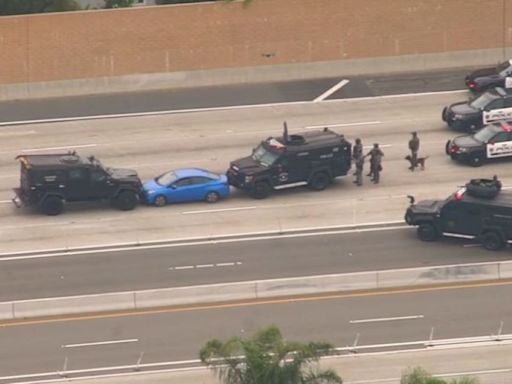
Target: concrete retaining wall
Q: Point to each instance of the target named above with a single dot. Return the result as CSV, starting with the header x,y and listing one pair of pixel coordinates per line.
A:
x,y
255,289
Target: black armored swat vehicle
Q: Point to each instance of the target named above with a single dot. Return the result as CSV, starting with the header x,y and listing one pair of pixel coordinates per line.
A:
x,y
312,158
479,210
48,181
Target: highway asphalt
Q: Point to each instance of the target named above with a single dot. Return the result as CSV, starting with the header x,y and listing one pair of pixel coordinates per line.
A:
x,y
243,260
177,334
230,95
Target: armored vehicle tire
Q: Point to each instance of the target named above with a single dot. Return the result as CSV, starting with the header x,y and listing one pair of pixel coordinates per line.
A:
x,y
126,200
260,190
319,181
212,197
475,160
160,201
492,241
427,232
52,205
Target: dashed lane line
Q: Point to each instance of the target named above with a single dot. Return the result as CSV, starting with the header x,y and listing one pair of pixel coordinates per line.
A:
x,y
202,266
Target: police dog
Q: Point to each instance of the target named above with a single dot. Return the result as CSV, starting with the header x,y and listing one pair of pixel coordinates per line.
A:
x,y
420,162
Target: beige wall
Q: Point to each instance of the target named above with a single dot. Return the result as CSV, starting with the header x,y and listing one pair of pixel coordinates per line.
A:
x,y
163,39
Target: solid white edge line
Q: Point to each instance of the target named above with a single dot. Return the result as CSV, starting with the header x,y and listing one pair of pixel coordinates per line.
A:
x,y
331,90
213,109
5,201
59,148
342,125
93,344
376,320
218,210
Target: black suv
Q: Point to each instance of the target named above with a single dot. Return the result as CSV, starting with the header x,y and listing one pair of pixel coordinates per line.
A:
x,y
469,116
492,142
47,181
486,78
314,158
478,211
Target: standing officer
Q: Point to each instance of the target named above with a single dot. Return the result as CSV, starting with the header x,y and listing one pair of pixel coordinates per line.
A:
x,y
376,155
359,170
357,152
414,147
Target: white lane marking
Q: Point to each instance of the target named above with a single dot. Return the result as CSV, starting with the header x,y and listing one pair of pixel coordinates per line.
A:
x,y
59,148
185,243
184,267
100,343
5,201
376,320
331,90
218,210
380,146
342,125
17,133
213,109
228,264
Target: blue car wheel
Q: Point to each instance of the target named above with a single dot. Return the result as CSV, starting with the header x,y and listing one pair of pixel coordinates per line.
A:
x,y
212,197
160,201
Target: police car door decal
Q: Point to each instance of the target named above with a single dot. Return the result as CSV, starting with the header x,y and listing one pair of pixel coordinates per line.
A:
x,y
496,115
500,148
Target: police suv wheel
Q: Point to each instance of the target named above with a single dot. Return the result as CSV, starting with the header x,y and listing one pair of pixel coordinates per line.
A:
x,y
427,232
126,200
52,205
319,181
212,197
475,161
492,241
160,201
260,190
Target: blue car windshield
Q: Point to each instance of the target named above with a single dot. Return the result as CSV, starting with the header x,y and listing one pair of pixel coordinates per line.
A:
x,y
264,156
166,179
482,101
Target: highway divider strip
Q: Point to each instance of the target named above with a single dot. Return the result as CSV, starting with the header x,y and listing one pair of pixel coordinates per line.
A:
x,y
213,239
252,290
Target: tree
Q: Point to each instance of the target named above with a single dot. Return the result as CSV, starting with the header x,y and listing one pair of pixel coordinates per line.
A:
x,y
20,7
266,358
118,3
418,375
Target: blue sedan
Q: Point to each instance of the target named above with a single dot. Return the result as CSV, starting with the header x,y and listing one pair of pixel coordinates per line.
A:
x,y
186,184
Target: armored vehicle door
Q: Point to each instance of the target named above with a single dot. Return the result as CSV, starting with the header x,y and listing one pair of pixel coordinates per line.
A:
x,y
101,185
77,187
460,217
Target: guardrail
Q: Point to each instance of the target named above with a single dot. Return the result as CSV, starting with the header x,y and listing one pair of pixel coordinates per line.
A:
x,y
259,289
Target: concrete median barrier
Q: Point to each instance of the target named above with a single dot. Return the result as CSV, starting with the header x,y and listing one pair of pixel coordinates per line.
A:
x,y
74,304
255,289
316,284
438,275
195,294
505,270
6,311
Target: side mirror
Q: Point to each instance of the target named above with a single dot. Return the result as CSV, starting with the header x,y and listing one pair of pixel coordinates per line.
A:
x,y
172,186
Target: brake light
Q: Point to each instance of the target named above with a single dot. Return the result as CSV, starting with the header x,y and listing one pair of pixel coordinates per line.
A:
x,y
505,126
471,85
453,148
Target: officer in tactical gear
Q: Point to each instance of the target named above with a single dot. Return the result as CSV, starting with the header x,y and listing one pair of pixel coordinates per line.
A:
x,y
376,155
357,152
414,147
359,170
